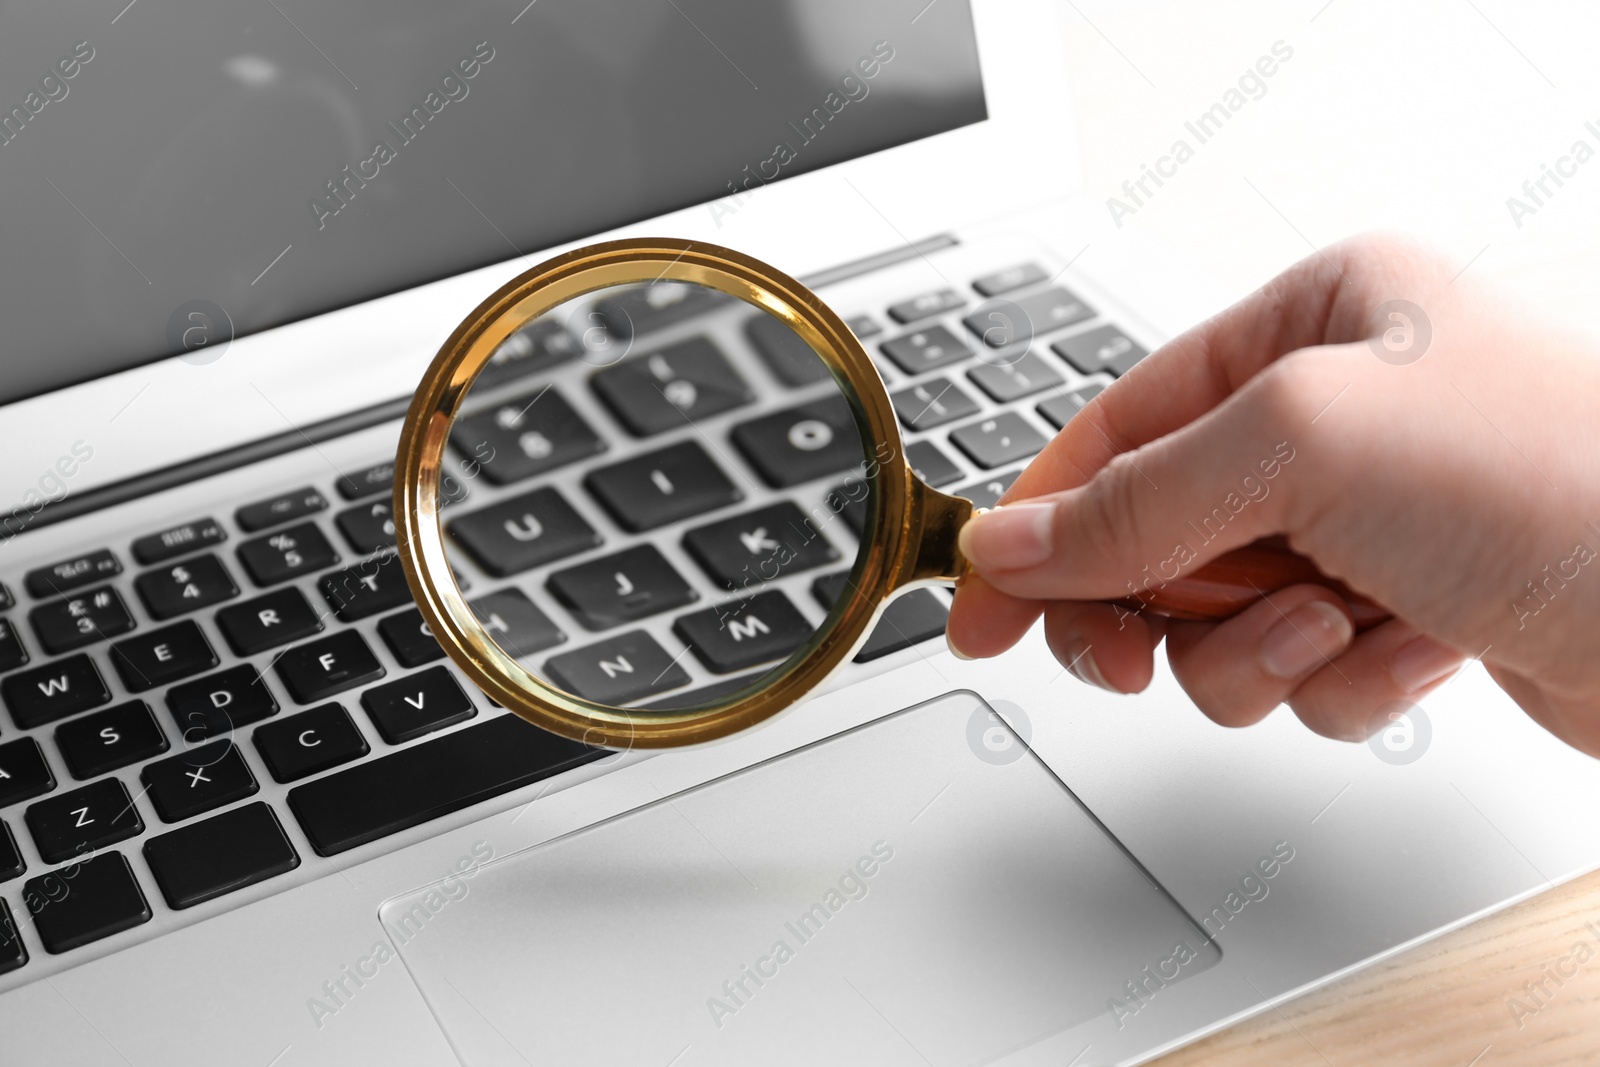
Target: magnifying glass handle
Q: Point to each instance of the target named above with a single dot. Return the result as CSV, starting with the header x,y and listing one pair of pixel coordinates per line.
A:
x,y
1235,580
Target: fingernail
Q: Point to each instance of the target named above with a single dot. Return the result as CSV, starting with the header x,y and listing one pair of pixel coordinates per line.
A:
x,y
954,651
1422,660
1009,537
1306,637
1081,664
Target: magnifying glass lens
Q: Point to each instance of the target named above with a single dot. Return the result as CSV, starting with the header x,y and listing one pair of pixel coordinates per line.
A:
x,y
653,498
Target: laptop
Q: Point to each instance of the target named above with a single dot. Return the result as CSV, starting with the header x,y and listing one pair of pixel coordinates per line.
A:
x,y
236,235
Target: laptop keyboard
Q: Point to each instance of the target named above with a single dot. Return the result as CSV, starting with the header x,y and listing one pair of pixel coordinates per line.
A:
x,y
193,707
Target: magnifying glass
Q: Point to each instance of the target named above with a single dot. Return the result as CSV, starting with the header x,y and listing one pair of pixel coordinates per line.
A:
x,y
738,551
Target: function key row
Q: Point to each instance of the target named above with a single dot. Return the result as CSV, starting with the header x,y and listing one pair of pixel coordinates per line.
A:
x,y
70,574
178,540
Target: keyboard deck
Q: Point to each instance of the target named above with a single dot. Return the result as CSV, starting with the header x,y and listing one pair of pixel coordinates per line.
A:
x,y
196,709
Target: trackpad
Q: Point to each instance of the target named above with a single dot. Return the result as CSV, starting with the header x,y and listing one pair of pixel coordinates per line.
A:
x,y
921,889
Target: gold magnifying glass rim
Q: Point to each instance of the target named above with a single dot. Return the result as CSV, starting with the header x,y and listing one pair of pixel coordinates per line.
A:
x,y
892,552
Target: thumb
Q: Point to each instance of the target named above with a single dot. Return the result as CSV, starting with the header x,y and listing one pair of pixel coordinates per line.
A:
x,y
1157,512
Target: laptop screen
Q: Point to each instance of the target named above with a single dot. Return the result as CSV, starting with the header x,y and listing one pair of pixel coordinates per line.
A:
x,y
258,161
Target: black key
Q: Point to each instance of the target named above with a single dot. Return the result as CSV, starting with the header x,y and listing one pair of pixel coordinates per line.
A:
x,y
618,670
863,326
683,383
1000,440
23,772
910,618
926,350
515,624
1004,281
1023,376
207,859
295,504
79,620
287,554
986,494
268,621
83,820
85,902
629,585
759,545
932,403
11,865
13,953
186,586
368,527
312,741
662,486
920,307
110,740
410,787
1060,409
650,307
930,463
417,704
525,435
12,654
539,346
1104,348
1001,323
523,532
733,636
177,540
850,502
378,478
220,702
409,638
197,781
788,357
329,665
794,446
53,691
371,586
705,694
70,574
162,656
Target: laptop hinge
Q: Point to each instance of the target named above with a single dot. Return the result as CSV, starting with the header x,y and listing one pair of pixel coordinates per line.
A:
x,y
22,520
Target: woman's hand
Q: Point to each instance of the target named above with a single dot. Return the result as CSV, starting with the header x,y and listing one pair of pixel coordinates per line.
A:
x,y
1445,463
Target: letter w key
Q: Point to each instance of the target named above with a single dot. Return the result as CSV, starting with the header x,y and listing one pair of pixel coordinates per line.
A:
x,y
54,691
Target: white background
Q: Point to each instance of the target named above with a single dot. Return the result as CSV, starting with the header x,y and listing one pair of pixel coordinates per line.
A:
x,y
1421,117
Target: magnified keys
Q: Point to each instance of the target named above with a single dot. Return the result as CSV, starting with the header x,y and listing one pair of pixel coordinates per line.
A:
x,y
589,454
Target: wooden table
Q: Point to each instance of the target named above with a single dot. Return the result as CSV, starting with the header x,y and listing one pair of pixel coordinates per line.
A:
x,y
1460,1000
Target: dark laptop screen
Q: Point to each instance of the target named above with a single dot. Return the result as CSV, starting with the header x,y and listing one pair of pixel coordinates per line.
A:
x,y
278,158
